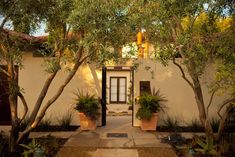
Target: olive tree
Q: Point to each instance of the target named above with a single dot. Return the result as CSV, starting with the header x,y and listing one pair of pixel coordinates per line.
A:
x,y
78,31
191,34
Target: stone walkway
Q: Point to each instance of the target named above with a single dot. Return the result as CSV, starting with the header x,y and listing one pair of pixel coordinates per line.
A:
x,y
112,146
99,144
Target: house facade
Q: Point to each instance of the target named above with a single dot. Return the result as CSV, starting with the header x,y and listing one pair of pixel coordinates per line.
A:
x,y
117,85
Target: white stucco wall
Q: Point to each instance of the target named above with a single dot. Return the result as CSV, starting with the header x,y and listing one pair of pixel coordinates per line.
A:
x,y
181,103
32,77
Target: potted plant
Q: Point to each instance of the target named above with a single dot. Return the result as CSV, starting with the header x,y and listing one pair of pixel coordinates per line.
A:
x,y
88,107
150,105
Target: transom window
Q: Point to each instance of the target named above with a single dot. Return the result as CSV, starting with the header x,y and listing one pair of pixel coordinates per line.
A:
x,y
117,89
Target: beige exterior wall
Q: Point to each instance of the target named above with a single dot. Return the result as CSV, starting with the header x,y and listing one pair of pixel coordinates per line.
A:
x,y
32,77
181,103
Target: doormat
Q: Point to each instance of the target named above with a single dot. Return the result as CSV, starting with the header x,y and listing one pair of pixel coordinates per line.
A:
x,y
117,135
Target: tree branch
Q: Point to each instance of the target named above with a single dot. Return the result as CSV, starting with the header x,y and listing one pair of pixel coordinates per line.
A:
x,y
25,106
59,92
4,71
230,100
41,97
54,98
183,74
8,14
193,21
209,104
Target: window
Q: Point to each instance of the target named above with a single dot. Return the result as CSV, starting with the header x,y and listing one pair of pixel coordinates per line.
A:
x,y
145,87
117,89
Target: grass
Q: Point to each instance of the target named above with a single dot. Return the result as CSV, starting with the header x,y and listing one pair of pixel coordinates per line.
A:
x,y
45,124
196,125
66,120
171,123
215,124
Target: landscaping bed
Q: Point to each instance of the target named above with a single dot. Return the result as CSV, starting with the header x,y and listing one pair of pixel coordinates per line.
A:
x,y
188,147
48,146
55,128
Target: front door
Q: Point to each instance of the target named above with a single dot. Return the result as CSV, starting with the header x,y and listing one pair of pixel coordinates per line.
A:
x,y
118,88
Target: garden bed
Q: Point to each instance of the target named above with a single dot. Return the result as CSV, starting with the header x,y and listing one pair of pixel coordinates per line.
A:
x,y
54,128
48,145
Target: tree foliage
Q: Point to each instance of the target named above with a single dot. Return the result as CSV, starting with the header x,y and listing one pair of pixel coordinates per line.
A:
x,y
195,35
78,31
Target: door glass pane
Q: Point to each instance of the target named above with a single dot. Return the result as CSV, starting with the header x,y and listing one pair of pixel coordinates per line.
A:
x,y
114,97
113,94
122,97
122,82
122,89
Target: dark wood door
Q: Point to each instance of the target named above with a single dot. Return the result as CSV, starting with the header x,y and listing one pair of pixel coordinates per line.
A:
x,y
5,114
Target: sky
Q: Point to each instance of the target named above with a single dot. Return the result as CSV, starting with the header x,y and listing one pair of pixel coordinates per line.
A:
x,y
38,32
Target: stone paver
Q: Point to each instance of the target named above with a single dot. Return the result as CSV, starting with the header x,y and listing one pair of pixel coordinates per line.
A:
x,y
113,146
143,135
150,143
116,153
116,143
84,139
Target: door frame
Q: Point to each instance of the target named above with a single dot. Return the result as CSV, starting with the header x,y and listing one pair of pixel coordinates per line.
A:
x,y
104,88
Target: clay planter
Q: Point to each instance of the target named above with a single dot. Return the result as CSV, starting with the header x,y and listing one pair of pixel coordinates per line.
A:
x,y
151,124
86,123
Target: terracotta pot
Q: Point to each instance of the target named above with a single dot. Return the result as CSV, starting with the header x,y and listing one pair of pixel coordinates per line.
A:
x,y
86,123
150,124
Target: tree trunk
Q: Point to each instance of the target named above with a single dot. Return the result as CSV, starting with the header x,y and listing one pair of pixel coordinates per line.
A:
x,y
223,121
14,124
13,90
13,137
204,118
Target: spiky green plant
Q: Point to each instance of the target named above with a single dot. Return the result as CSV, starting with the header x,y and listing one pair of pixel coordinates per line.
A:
x,y
33,149
66,120
87,104
204,146
45,124
215,122
196,125
171,123
150,104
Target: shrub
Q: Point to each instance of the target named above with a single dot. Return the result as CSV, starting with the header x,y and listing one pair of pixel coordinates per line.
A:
x,y
45,124
196,125
33,149
215,124
65,120
87,104
171,123
149,104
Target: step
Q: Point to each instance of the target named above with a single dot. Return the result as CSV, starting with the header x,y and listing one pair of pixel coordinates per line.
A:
x,y
116,153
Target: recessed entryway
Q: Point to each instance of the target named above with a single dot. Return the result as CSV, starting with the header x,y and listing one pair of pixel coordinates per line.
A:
x,y
117,89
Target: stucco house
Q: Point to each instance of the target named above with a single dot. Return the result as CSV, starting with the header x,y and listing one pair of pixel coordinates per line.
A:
x,y
116,85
